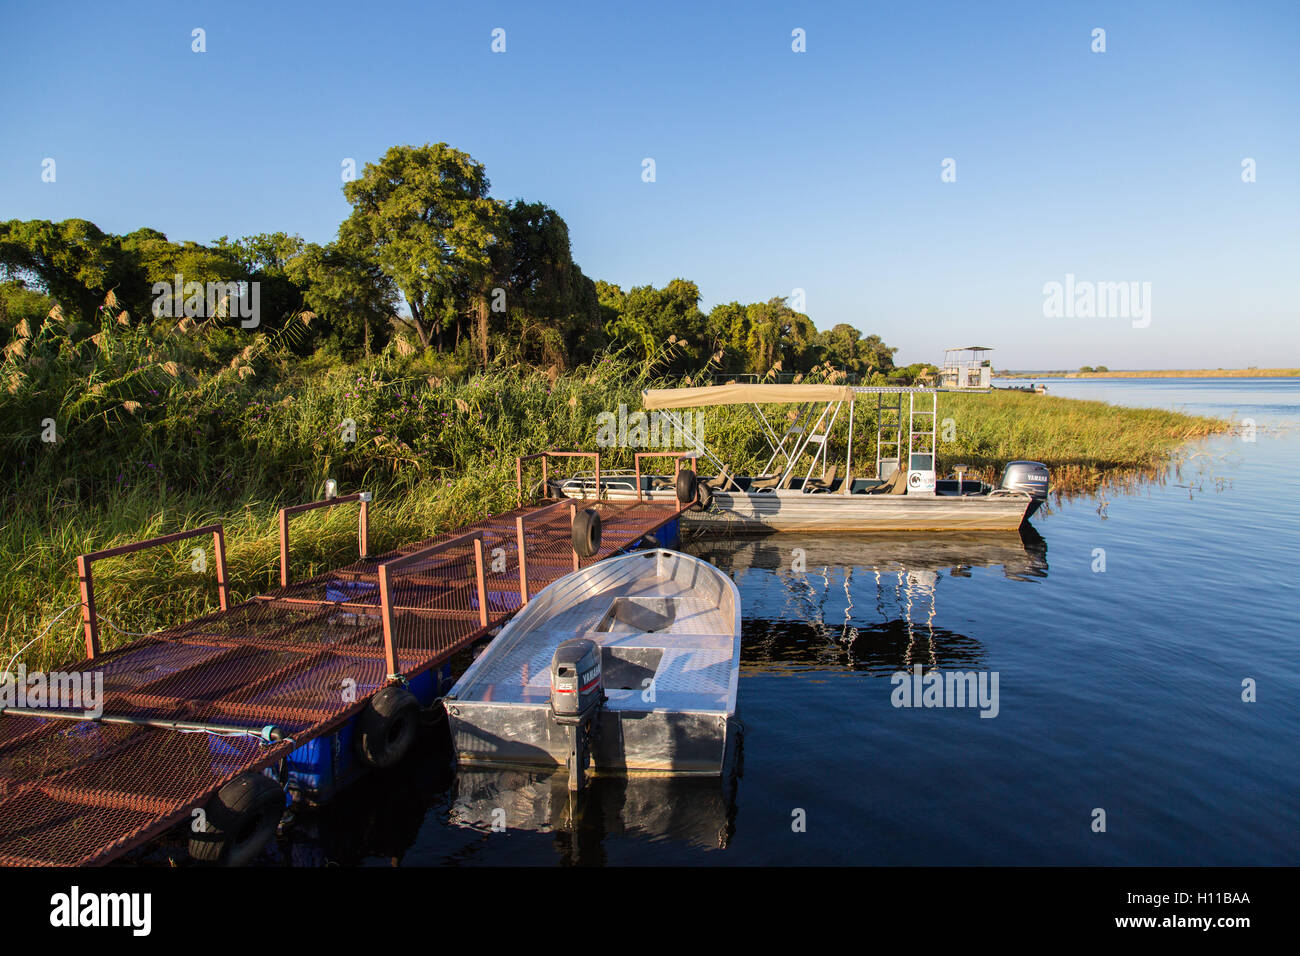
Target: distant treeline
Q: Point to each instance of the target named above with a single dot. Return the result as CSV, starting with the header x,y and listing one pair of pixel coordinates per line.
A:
x,y
429,257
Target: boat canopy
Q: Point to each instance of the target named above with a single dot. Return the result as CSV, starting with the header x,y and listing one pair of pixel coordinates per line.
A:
x,y
710,395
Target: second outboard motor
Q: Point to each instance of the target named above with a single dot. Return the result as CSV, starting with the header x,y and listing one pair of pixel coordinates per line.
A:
x,y
577,693
1027,476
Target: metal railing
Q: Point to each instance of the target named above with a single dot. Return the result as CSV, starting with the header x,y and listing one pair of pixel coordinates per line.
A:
x,y
674,455
390,568
545,457
363,526
522,545
85,561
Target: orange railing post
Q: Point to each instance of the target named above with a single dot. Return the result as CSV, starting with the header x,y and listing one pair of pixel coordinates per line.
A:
x,y
219,549
480,580
523,562
573,518
88,607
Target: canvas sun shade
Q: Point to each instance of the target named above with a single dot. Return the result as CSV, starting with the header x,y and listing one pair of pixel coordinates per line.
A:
x,y
710,395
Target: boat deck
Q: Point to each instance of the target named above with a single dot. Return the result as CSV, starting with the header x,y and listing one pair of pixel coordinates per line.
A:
x,y
305,658
693,669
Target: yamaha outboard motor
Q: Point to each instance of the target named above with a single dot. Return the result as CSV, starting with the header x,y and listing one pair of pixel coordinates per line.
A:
x,y
1027,476
577,693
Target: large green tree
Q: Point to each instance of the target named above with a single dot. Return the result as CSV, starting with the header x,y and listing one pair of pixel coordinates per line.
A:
x,y
424,215
552,310
845,348
650,318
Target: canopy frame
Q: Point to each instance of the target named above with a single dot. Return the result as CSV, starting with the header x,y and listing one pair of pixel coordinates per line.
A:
x,y
807,424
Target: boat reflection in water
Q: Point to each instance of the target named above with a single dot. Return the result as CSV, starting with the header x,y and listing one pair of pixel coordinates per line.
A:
x,y
689,811
860,601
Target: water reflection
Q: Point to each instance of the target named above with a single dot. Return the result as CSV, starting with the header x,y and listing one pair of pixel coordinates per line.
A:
x,y
861,602
377,818
694,812
423,811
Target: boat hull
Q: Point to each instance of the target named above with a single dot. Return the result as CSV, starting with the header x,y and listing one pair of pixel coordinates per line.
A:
x,y
626,743
777,511
795,511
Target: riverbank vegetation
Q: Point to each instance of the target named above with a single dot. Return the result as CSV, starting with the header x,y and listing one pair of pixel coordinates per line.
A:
x,y
156,435
135,402
426,256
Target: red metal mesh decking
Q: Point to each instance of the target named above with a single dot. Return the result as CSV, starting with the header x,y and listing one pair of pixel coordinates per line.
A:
x,y
303,658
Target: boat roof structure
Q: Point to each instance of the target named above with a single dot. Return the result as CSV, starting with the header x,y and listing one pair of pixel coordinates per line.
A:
x,y
709,396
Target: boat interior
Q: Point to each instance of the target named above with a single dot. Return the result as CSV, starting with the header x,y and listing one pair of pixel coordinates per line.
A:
x,y
833,483
662,620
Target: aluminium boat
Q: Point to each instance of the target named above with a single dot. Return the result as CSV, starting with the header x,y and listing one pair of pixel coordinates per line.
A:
x,y
627,666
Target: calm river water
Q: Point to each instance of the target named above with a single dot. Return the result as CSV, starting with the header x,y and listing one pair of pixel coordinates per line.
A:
x,y
1119,690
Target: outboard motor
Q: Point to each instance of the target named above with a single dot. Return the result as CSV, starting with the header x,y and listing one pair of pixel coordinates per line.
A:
x,y
1027,476
577,694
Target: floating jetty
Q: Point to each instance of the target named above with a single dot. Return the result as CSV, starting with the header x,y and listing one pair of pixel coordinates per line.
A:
x,y
296,684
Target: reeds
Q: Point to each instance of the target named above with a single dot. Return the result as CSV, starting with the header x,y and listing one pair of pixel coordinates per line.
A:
x,y
164,429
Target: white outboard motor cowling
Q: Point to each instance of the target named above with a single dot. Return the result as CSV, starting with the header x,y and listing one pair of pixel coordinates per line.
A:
x,y
1028,476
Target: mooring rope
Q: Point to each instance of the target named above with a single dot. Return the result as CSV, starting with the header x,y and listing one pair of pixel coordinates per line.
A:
x,y
18,652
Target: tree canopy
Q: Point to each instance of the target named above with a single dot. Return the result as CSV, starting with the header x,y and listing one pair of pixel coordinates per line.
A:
x,y
426,247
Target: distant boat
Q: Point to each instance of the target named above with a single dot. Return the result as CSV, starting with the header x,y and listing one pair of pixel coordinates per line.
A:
x,y
629,665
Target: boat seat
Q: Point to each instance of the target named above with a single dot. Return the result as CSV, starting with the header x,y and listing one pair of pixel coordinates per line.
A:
x,y
764,483
896,485
721,480
815,486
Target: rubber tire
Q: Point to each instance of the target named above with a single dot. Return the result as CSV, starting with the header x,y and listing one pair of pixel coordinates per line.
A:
x,y
586,532
241,819
387,727
706,498
686,486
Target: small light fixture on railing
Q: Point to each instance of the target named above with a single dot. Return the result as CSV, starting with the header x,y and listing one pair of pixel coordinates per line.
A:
x,y
331,489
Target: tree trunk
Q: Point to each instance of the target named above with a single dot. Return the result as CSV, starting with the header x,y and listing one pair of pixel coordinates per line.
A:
x,y
420,329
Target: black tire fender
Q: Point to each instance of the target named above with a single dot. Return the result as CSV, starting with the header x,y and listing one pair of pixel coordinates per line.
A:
x,y
239,820
706,497
687,485
586,532
387,727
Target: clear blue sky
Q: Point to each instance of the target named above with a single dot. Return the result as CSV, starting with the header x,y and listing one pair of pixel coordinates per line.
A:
x,y
775,170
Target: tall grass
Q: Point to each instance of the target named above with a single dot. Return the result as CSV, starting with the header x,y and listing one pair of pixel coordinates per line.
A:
x,y
166,428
